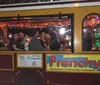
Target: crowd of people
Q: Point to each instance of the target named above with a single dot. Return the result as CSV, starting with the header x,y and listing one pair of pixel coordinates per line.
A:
x,y
39,41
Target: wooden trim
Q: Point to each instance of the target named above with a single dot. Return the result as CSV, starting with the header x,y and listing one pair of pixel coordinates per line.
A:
x,y
37,52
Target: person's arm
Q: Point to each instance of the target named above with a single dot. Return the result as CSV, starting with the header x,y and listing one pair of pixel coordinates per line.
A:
x,y
14,47
40,46
30,45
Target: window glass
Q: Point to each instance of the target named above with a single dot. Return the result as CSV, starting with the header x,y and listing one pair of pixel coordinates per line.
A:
x,y
52,32
91,32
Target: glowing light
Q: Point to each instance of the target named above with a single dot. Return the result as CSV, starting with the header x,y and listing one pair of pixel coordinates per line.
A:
x,y
59,23
21,25
14,18
30,26
26,25
66,37
76,4
40,26
62,31
70,43
84,30
17,24
94,29
46,23
35,26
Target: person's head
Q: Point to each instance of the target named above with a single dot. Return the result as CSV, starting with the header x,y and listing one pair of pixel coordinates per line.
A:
x,y
35,33
48,36
42,35
15,36
21,35
54,36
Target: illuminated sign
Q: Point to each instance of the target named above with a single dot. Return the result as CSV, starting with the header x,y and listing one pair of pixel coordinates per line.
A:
x,y
73,63
29,60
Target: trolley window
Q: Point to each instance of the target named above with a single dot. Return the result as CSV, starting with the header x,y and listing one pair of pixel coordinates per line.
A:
x,y
91,32
52,32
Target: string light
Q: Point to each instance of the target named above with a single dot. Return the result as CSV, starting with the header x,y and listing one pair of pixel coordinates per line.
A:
x,y
46,23
27,25
59,23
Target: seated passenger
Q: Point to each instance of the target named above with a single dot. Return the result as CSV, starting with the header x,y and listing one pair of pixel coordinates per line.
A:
x,y
35,44
42,39
55,44
13,43
21,41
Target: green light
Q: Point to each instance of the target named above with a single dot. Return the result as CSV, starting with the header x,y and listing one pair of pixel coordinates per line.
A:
x,y
97,43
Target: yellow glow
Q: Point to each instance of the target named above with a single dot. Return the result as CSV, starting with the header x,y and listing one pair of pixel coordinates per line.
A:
x,y
76,4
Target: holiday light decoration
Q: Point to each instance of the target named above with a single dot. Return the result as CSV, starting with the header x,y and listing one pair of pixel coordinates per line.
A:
x,y
29,25
91,20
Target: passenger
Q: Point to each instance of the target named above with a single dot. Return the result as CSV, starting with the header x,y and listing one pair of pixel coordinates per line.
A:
x,y
42,39
27,40
55,44
21,41
48,39
35,44
13,43
64,43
